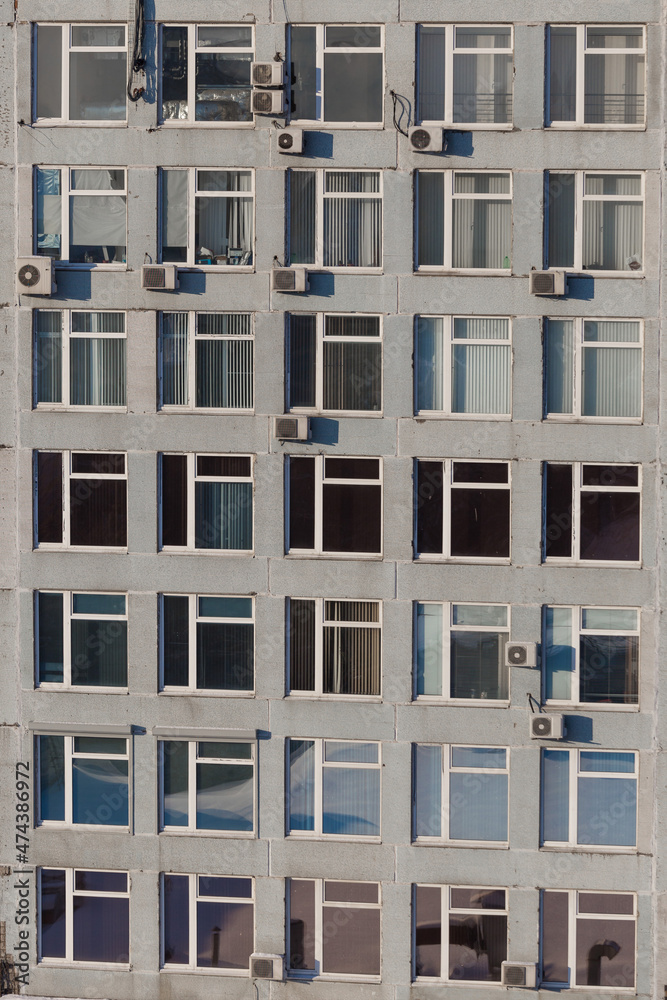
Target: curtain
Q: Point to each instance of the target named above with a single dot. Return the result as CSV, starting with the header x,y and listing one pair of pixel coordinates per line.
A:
x,y
612,230
49,212
223,224
429,362
175,359
613,81
431,71
559,654
352,226
429,649
482,86
223,515
301,785
303,217
48,356
97,221
555,795
560,366
430,218
428,791
174,228
563,74
97,371
351,655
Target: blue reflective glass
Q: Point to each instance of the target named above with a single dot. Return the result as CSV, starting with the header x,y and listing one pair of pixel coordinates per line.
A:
x,y
351,801
99,791
607,811
51,777
555,795
174,782
428,791
601,760
478,757
225,607
98,604
301,785
478,806
353,753
240,888
224,797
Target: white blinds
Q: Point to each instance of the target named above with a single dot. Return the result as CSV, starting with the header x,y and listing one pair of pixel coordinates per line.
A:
x,y
221,348
480,373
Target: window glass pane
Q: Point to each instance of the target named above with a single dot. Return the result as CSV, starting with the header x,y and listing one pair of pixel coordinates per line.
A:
x,y
224,797
478,757
224,465
109,746
560,366
225,935
561,220
51,778
352,232
478,807
53,921
48,95
97,82
175,782
609,667
430,218
621,37
482,81
614,87
355,949
477,947
477,665
612,235
610,475
100,881
223,87
97,372
240,888
351,517
607,760
481,377
224,373
559,650
104,463
610,526
301,785
49,496
351,892
174,72
352,376
48,228
50,638
223,230
223,515
605,902
224,180
99,35
174,345
607,811
175,640
606,953
479,614
99,653
98,225
351,468
353,36
428,918
225,751
555,966
612,184
555,795
429,363
98,512
301,503
477,899
351,661
480,523
302,360
563,74
176,902
304,87
481,233
302,924
352,753
609,618
174,222
101,929
302,645
100,791
428,658
428,791
354,85
429,507
48,356
431,73
224,656
98,604
225,607
611,382
219,36
611,331
480,472
558,510
351,801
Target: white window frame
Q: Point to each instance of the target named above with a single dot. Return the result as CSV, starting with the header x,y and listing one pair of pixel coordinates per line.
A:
x,y
579,199
192,477
193,898
193,759
193,619
67,192
578,631
68,616
321,931
582,50
193,49
447,769
448,627
320,196
318,797
193,338
575,528
67,335
448,487
318,549
448,343
190,263
446,909
320,49
575,775
67,476
320,625
67,49
70,755
448,210
448,73
573,916
580,346
70,892
320,340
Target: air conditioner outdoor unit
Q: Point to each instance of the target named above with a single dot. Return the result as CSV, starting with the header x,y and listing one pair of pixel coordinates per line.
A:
x,y
291,428
426,140
267,74
35,275
547,727
289,279
268,102
266,966
290,140
159,277
520,654
518,974
547,283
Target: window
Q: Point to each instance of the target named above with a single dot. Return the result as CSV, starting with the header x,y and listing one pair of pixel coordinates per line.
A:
x,y
207,785
596,75
591,656
464,74
335,218
460,651
206,502
80,639
208,922
334,647
460,933
464,220
206,361
589,798
353,909
206,73
82,780
592,512
79,358
461,794
462,509
589,938
334,505
81,499
334,362
463,365
206,643
334,788
337,73
595,221
207,217
81,214
84,916
593,368
81,73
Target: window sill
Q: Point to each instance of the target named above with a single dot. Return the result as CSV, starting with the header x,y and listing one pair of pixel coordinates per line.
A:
x,y
296,976
442,415
471,126
188,970
580,272
181,550
53,688
366,556
321,838
54,963
335,414
310,124
218,834
461,702
321,269
474,845
568,418
190,693
592,127
83,827
64,265
593,563
364,699
184,123
463,560
212,268
59,547
477,272
96,123
62,408
206,410
432,981
585,849
593,706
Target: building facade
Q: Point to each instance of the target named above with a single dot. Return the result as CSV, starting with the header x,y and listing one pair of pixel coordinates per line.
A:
x,y
255,694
